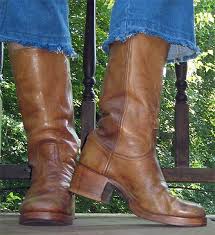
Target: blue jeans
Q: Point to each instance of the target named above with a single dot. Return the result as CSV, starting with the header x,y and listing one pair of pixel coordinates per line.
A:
x,y
44,24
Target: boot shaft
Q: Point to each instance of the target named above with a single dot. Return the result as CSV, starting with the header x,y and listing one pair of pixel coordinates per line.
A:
x,y
44,94
130,100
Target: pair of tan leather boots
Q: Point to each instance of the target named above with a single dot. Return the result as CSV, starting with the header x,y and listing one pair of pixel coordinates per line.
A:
x,y
119,154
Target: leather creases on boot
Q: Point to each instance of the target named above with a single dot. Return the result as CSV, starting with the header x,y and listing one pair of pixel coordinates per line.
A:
x,y
45,99
120,153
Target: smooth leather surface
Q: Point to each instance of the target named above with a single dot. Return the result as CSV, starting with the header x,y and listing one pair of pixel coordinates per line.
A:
x,y
45,99
122,148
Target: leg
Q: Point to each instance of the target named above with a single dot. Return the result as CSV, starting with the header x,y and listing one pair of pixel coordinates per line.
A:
x,y
120,153
42,77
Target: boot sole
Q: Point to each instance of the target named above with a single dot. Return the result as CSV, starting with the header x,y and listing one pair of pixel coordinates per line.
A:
x,y
90,184
45,219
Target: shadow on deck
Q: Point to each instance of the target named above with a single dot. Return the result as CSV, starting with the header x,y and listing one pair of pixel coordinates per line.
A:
x,y
95,224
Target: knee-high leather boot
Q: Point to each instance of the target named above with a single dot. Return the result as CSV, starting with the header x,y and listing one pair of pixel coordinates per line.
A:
x,y
45,99
120,153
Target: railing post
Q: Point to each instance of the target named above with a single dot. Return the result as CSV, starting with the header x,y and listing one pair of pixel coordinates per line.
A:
x,y
181,118
89,65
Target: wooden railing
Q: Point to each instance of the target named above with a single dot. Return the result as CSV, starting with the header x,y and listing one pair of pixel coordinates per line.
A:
x,y
181,172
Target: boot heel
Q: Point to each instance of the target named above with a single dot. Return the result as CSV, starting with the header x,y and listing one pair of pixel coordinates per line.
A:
x,y
90,184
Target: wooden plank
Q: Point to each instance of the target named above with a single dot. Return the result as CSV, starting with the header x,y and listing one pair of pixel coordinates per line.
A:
x,y
8,172
193,175
105,224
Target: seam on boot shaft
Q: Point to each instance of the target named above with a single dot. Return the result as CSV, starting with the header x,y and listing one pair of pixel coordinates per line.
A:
x,y
126,74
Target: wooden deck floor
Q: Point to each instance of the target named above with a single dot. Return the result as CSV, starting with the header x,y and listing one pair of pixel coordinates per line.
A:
x,y
101,225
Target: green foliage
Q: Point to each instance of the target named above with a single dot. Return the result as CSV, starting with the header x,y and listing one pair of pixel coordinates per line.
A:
x,y
11,202
201,94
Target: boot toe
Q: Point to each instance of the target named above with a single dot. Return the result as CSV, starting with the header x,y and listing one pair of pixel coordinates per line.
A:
x,y
189,209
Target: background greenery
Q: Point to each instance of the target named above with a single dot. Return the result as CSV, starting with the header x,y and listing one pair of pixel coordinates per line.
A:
x,y
201,99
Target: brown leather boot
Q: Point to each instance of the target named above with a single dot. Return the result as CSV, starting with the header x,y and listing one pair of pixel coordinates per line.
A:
x,y
120,153
45,99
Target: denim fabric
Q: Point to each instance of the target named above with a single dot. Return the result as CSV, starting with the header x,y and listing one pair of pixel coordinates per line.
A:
x,y
44,24
172,20
39,23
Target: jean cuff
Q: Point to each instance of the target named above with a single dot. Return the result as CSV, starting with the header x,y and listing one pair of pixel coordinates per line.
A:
x,y
64,48
181,48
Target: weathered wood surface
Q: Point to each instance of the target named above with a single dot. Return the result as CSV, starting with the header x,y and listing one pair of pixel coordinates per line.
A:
x,y
101,225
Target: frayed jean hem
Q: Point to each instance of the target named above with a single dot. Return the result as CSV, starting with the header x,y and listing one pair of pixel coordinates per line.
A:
x,y
181,50
52,47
